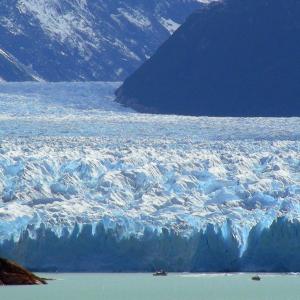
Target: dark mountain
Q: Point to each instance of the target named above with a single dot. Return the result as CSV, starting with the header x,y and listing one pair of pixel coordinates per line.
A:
x,y
235,58
74,40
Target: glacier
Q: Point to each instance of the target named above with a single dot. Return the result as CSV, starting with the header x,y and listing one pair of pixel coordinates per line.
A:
x,y
71,157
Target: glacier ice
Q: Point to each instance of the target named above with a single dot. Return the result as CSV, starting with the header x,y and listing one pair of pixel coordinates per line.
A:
x,y
70,155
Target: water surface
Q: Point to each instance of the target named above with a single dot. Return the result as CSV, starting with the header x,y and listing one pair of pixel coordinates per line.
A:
x,y
147,287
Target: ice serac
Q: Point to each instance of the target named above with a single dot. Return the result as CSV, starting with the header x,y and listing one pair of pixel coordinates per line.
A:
x,y
216,251
230,58
72,40
274,249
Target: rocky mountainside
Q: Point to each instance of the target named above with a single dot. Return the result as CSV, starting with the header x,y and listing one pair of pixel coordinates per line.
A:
x,y
64,40
13,274
235,58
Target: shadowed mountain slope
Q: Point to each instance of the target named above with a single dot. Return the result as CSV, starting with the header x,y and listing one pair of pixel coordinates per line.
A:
x,y
233,58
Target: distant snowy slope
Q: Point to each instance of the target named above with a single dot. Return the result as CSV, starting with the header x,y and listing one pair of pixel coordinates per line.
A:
x,y
87,40
12,70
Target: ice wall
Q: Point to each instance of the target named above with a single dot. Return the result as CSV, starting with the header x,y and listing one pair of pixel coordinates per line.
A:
x,y
273,249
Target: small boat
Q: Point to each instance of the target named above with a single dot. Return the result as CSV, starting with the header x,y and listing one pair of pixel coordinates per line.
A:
x,y
256,278
160,273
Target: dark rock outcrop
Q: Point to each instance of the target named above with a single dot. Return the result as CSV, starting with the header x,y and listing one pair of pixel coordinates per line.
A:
x,y
13,274
232,58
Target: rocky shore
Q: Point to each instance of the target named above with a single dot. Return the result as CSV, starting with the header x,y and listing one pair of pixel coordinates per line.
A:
x,y
13,274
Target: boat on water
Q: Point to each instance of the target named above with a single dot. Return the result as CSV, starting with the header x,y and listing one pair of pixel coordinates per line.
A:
x,y
160,273
256,278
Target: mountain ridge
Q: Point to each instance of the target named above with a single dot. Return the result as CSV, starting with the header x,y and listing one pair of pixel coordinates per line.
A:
x,y
231,58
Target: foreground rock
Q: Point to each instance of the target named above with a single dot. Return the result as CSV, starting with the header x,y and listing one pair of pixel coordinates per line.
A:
x,y
13,274
231,58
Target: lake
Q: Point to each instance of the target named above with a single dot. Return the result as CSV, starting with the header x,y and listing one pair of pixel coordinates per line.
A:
x,y
145,286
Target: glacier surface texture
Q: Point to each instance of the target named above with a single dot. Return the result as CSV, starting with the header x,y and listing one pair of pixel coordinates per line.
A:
x,y
79,171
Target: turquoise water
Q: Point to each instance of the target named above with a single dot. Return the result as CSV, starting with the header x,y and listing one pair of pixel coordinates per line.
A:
x,y
147,287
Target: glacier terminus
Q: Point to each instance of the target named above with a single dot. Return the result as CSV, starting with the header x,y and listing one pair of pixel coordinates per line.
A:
x,y
76,164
